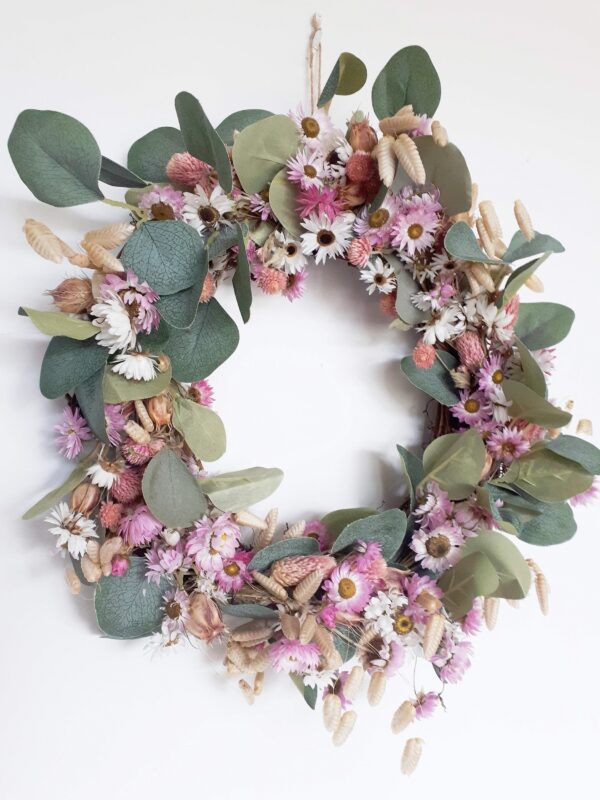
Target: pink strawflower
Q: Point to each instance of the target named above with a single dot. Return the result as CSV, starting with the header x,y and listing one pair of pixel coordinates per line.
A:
x,y
507,444
128,486
73,432
115,422
369,561
427,202
376,226
434,505
472,621
202,393
294,285
348,588
110,515
259,206
589,496
165,560
306,168
212,542
289,655
163,202
119,566
437,549
469,517
427,704
328,616
383,656
545,360
414,231
512,309
360,167
135,294
271,280
177,611
359,251
140,453
413,587
316,530
234,573
473,408
139,526
188,170
318,200
453,658
423,355
470,350
491,375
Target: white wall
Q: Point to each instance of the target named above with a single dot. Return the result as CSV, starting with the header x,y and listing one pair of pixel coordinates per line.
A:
x,y
315,389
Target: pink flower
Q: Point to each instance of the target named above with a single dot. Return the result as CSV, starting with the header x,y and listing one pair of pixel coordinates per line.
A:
x,y
271,280
289,655
507,444
306,168
348,588
139,453
128,486
165,560
359,251
491,375
110,515
316,530
423,355
115,422
259,206
360,167
137,295
177,610
453,658
427,704
234,572
139,526
369,561
318,200
437,549
472,621
163,202
414,231
212,542
413,587
473,408
119,566
469,516
383,656
188,170
327,616
73,432
589,496
202,392
434,506
470,350
545,359
294,285
376,226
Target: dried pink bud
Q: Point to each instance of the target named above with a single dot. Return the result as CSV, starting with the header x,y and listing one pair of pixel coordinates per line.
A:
x,y
469,349
139,454
271,280
119,566
127,486
73,295
110,515
387,303
187,170
84,498
290,571
160,409
512,308
205,621
359,251
361,136
208,288
353,194
424,355
360,167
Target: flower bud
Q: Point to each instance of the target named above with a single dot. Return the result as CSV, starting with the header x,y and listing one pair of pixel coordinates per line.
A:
x,y
73,295
352,195
84,498
160,409
361,136
119,566
428,602
204,619
163,363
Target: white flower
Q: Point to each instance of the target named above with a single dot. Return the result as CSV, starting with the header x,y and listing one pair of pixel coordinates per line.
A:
x,y
320,679
499,404
314,129
343,150
306,168
203,212
72,529
102,477
498,323
135,366
326,238
420,267
293,259
116,330
378,275
207,586
443,325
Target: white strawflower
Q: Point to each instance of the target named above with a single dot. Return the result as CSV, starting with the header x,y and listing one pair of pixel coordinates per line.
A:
x,y
326,238
116,330
203,212
378,275
101,476
72,529
135,366
443,325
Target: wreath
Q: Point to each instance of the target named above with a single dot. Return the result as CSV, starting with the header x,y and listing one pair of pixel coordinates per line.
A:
x,y
174,551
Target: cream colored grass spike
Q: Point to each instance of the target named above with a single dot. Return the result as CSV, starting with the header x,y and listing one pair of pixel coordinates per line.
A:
x,y
386,159
259,680
249,520
499,248
81,260
253,630
295,530
45,243
524,221
307,629
411,755
408,155
72,580
490,219
403,716
512,603
585,428
265,537
324,640
136,432
534,283
247,690
308,586
290,626
542,590
108,550
143,416
332,712
111,236
402,122
434,630
439,133
486,240
92,572
376,688
93,550
354,682
101,258
491,606
274,588
344,728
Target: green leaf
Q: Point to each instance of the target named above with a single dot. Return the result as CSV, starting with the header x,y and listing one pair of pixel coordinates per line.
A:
x,y
435,381
526,404
118,389
282,199
461,243
515,509
221,240
52,498
179,310
235,491
473,576
242,286
57,158
115,175
238,121
168,254
262,149
309,693
532,375
542,325
336,521
514,575
171,493
575,449
348,76
412,467
202,429
447,169
54,323
248,611
197,351
91,402
519,277
302,546
407,287
547,476
409,77
129,607
455,462
486,501
345,639
519,247
68,363
555,525
201,139
387,529
149,156
261,231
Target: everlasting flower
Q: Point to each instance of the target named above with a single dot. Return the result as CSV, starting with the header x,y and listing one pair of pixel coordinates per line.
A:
x,y
105,473
116,329
306,168
437,549
414,230
115,422
138,526
292,258
379,655
204,212
187,170
415,587
128,486
289,655
318,200
378,275
316,530
271,280
348,588
473,408
589,496
213,541
472,621
164,560
507,444
491,375
234,572
138,298
72,529
423,355
427,704
359,251
376,226
73,432
294,286
134,366
326,238
545,359
163,202
110,515
177,609
453,659
443,325
202,392
434,505
313,128
260,206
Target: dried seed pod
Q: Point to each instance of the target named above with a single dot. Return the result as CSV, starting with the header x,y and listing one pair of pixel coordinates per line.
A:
x,y
376,688
259,679
93,551
247,690
407,153
43,241
73,295
434,630
429,602
295,530
111,236
332,711
249,520
403,716
524,221
534,283
92,572
402,122
108,551
136,432
307,587
486,241
101,258
255,630
72,580
291,570
585,428
354,682
386,160
307,629
258,660
490,219
143,416
439,133
491,606
84,498
274,588
344,728
411,755
290,626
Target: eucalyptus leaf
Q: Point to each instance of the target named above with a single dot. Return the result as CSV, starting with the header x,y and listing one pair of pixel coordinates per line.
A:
x,y
91,402
575,449
447,169
54,323
412,467
248,611
118,389
387,529
435,381
130,606
336,521
518,279
526,404
238,121
532,375
514,575
68,363
235,491
283,199
519,247
555,525
115,175
202,429
461,243
455,462
547,476
301,546
242,286
262,149
406,288
261,232
179,310
348,76
345,639
57,158
409,77
309,693
171,492
541,325
474,576
55,496
201,139
149,155
221,240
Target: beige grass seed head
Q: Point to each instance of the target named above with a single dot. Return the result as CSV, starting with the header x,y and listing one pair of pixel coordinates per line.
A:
x,y
403,716
45,243
411,756
491,607
376,688
524,221
407,153
386,160
72,581
332,711
344,728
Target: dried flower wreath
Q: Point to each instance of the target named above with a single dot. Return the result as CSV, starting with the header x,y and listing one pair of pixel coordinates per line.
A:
x,y
175,552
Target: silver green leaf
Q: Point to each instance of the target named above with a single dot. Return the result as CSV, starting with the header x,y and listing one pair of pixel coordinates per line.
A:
x,y
238,121
520,247
473,576
455,462
526,404
409,77
262,149
514,575
118,389
235,491
52,498
171,493
435,381
387,529
54,323
348,76
542,325
202,429
67,363
149,155
547,476
282,199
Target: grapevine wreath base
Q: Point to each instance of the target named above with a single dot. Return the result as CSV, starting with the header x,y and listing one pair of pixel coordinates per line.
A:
x,y
174,551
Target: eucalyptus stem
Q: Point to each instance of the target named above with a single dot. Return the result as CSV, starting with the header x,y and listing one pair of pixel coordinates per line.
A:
x,y
135,210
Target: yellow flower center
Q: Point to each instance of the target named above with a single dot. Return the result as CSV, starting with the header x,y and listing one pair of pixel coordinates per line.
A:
x,y
310,126
497,376
414,231
346,588
378,218
472,406
438,546
310,171
402,624
232,570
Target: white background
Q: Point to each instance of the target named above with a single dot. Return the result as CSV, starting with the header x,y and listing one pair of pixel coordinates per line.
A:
x,y
314,388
